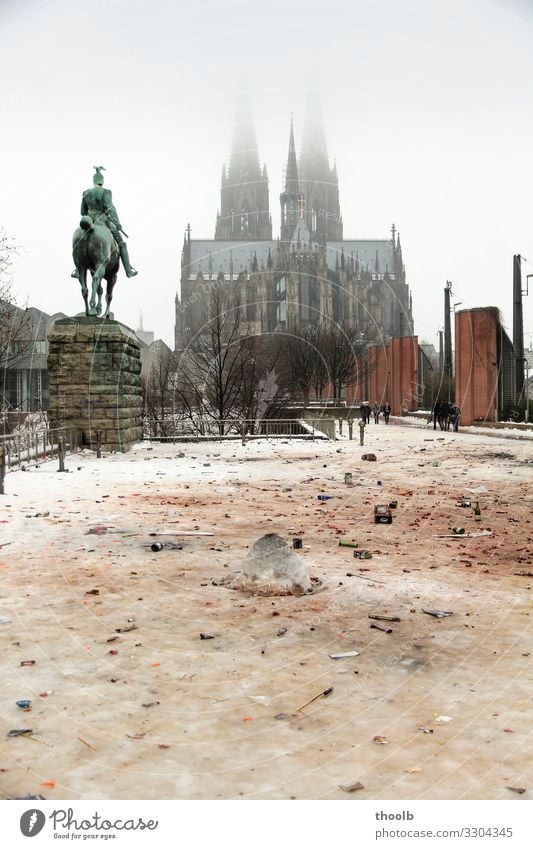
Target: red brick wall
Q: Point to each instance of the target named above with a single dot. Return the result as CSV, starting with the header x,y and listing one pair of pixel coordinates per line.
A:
x,y
392,374
476,375
378,374
404,389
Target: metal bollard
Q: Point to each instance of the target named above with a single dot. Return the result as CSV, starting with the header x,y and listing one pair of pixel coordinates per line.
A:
x,y
98,444
2,468
61,453
361,432
340,427
350,430
243,433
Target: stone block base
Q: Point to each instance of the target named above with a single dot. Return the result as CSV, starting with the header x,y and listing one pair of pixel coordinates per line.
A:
x,y
94,369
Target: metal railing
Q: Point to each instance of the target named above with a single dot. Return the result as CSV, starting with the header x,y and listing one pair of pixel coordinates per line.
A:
x,y
245,429
31,447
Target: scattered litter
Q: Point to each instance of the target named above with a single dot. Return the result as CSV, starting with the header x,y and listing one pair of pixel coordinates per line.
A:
x,y
207,636
393,504
413,769
4,621
365,577
342,654
281,631
439,614
163,746
178,533
425,729
92,592
325,497
477,489
28,662
24,703
382,513
126,629
443,718
463,535
46,693
382,741
323,693
157,546
85,743
371,457
247,719
150,704
350,788
297,542
38,796
384,618
523,574
519,790
19,732
381,627
362,554
281,716
48,784
347,544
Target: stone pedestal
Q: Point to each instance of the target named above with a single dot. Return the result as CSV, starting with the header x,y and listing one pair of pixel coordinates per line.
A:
x,y
94,369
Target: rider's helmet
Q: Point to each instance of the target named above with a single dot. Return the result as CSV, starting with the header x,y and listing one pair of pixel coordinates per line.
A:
x,y
98,177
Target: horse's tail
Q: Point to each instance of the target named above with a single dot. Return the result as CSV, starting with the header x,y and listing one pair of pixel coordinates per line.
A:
x,y
86,222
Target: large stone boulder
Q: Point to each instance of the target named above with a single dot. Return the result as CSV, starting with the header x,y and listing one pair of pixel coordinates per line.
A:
x,y
272,568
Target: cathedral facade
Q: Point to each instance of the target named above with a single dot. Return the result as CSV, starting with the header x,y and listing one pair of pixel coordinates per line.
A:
x,y
310,272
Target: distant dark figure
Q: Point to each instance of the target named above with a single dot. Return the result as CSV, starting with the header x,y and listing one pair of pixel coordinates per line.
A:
x,y
454,416
445,414
365,412
386,412
436,414
376,410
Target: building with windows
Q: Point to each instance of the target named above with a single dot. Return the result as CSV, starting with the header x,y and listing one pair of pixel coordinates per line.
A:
x,y
310,272
23,370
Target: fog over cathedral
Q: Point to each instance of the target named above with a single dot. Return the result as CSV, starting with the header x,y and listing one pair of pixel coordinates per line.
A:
x,y
309,272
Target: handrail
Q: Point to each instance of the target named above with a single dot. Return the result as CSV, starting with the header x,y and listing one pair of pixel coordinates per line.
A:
x,y
32,447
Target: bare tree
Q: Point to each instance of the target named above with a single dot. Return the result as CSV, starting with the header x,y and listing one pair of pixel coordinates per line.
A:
x,y
158,394
210,374
302,361
341,349
261,395
16,327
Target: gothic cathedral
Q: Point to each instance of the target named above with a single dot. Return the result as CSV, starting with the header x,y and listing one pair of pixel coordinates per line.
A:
x,y
310,272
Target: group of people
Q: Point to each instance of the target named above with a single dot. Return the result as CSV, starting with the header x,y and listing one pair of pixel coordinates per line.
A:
x,y
376,410
447,414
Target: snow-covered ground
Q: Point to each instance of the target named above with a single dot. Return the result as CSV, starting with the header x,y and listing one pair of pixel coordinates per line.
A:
x,y
153,711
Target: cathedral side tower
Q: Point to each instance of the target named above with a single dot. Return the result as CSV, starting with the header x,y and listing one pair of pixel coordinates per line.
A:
x,y
244,208
318,182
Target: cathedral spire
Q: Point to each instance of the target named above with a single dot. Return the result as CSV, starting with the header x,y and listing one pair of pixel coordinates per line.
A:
x,y
291,179
318,182
244,208
290,199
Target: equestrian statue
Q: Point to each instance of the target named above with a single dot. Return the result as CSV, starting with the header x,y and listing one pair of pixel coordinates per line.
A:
x,y
98,246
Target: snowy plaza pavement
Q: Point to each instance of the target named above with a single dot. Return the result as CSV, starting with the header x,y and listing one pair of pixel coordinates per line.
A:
x,y
128,702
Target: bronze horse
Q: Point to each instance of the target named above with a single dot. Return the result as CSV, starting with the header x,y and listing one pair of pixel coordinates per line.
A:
x,y
94,249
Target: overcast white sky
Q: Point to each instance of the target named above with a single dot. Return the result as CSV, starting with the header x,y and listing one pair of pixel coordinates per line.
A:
x,y
427,104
